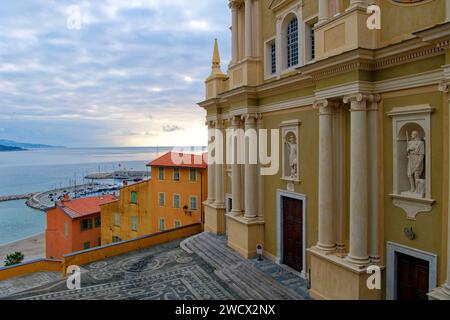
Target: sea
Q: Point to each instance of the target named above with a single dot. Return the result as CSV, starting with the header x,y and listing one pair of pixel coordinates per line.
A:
x,y
39,170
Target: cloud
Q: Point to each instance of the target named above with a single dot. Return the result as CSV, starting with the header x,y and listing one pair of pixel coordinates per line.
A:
x,y
129,60
171,128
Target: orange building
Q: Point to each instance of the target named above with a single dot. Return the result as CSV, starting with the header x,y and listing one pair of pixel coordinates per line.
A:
x,y
74,225
178,190
170,199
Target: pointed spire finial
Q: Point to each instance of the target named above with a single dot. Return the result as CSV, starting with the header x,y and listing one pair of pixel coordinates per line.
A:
x,y
216,59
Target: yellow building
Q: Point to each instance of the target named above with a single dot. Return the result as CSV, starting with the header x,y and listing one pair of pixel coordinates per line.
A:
x,y
170,199
362,115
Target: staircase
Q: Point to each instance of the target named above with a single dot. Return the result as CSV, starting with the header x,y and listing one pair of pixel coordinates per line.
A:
x,y
249,278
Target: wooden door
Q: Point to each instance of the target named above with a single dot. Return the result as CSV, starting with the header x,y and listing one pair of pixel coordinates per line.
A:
x,y
293,233
412,278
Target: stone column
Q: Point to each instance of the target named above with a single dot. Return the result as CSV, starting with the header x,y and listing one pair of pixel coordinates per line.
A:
x,y
219,167
359,180
211,166
327,238
251,188
236,192
373,173
248,28
234,31
323,11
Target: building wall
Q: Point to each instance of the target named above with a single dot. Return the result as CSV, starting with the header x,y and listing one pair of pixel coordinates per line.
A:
x,y
147,208
79,238
57,244
400,53
308,151
427,226
126,209
185,189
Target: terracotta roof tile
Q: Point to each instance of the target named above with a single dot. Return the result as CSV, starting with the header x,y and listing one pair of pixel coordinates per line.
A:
x,y
183,160
77,208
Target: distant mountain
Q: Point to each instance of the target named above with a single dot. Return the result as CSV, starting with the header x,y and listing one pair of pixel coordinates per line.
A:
x,y
10,143
7,148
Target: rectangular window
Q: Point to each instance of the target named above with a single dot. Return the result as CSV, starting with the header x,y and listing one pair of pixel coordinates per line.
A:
x,y
162,224
177,223
134,197
116,239
86,245
176,201
98,222
192,175
273,58
193,202
66,230
310,39
133,223
162,199
116,219
176,174
86,224
99,241
161,173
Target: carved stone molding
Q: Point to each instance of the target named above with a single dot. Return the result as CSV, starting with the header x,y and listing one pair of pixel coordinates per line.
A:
x,y
412,206
251,118
235,4
444,86
325,106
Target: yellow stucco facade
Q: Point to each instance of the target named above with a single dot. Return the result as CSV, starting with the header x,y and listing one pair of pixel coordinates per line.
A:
x,y
162,203
352,97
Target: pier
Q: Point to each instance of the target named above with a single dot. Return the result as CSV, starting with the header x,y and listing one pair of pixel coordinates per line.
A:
x,y
120,175
45,200
16,197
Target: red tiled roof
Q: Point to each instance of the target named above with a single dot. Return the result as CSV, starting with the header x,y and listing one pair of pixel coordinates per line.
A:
x,y
76,208
184,160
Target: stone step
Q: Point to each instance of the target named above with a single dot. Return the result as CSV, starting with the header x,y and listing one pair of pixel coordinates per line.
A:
x,y
239,273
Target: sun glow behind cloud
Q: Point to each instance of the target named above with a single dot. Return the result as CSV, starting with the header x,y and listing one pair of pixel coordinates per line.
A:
x,y
131,75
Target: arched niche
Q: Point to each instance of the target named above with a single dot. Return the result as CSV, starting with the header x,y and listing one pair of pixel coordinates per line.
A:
x,y
410,164
290,151
411,128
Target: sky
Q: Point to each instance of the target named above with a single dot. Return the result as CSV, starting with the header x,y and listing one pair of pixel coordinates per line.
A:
x,y
104,73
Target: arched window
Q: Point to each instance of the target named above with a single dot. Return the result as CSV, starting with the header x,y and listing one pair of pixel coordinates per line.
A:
x,y
292,43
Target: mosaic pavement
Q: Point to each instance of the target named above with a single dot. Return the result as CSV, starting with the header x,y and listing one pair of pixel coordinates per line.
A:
x,y
174,272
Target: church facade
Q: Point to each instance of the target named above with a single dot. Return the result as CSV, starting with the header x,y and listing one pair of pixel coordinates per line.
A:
x,y
354,104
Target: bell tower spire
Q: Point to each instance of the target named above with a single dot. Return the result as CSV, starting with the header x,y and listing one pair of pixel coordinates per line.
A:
x,y
216,82
216,59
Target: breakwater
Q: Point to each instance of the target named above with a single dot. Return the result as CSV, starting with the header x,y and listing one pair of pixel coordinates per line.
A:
x,y
16,197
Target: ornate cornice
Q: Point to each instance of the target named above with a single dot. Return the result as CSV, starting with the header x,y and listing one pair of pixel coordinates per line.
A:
x,y
276,5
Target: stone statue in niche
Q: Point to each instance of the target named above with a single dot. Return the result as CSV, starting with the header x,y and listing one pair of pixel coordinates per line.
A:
x,y
291,148
416,155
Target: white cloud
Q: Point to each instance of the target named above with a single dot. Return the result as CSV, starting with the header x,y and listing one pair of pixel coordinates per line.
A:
x,y
130,59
